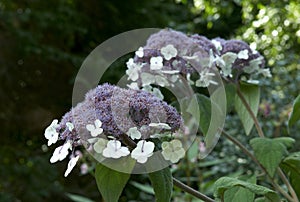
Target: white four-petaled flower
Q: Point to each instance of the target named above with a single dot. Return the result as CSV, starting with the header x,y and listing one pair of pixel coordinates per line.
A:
x,y
205,79
156,63
96,129
243,54
61,152
100,145
50,133
133,70
172,151
70,126
140,52
143,151
71,165
115,150
134,133
169,52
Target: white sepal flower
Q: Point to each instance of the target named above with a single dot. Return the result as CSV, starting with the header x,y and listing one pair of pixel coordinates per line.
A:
x,y
160,125
96,129
70,126
217,44
156,63
265,72
100,145
169,52
61,152
205,79
115,150
134,133
140,52
50,133
133,86
172,151
143,151
71,165
243,54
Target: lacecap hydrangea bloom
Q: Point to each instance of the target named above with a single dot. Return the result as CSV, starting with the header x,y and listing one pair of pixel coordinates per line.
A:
x,y
113,122
170,54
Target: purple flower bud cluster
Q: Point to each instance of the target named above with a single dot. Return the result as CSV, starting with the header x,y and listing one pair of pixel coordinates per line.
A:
x,y
195,46
118,109
235,46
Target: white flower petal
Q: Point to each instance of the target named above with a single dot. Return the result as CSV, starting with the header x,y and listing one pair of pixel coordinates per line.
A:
x,y
71,165
160,125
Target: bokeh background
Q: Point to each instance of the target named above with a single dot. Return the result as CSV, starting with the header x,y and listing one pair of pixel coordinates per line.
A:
x,y
42,46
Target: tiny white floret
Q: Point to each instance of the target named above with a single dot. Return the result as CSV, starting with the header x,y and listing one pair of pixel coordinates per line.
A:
x,y
140,52
217,44
172,151
156,63
115,150
134,133
100,145
142,151
95,129
61,152
71,165
169,52
50,132
243,54
70,126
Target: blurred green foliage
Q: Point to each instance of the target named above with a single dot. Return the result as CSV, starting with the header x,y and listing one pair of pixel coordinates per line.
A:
x,y
43,44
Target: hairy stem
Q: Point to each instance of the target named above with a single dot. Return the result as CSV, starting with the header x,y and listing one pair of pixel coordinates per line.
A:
x,y
191,191
261,134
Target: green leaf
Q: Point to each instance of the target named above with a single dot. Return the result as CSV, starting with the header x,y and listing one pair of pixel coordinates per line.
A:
x,y
252,95
110,182
269,152
225,183
205,112
295,115
145,188
78,198
230,90
290,166
237,194
162,184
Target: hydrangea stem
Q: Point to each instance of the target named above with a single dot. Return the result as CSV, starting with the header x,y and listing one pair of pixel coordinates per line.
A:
x,y
261,134
191,191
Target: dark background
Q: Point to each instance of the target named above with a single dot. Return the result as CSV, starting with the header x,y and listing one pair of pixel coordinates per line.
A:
x,y
42,46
